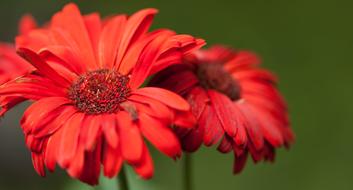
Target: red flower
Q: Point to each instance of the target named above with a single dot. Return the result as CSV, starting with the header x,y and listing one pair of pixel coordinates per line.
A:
x,y
13,66
234,101
89,107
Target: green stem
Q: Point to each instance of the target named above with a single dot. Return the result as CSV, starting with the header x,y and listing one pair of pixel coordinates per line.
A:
x,y
123,183
187,172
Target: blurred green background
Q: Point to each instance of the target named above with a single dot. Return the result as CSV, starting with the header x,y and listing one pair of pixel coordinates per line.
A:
x,y
308,43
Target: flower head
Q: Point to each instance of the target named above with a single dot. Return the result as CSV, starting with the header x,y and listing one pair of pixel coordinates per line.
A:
x,y
234,101
89,104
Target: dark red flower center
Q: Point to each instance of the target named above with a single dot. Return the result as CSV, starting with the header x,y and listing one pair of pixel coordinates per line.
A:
x,y
100,91
214,76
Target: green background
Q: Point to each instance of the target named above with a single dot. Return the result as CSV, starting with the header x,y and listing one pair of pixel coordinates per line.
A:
x,y
307,43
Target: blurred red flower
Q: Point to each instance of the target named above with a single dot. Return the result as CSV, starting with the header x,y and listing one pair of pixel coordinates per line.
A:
x,y
89,106
12,65
234,101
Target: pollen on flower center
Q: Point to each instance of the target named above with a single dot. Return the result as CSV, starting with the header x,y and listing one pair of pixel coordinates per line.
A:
x,y
100,91
213,76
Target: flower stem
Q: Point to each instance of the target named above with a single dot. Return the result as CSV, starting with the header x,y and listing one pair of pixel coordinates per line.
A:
x,y
123,183
187,172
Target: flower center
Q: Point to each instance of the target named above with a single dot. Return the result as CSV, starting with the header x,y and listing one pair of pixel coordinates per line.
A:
x,y
100,91
213,76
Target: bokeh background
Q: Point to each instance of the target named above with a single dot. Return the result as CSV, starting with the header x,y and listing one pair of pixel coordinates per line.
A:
x,y
307,43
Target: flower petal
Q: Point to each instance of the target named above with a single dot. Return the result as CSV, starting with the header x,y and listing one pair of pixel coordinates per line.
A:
x,y
38,163
145,168
63,56
27,23
223,107
253,127
109,127
136,26
70,20
213,130
52,150
70,139
91,170
40,110
226,145
160,136
239,162
147,59
198,99
77,163
42,66
184,119
93,25
110,40
65,113
112,160
134,52
131,142
153,108
167,97
91,131
193,140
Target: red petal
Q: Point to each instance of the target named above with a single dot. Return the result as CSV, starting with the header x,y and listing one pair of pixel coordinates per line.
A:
x,y
226,145
130,138
42,66
40,110
197,99
184,119
110,40
159,135
91,131
239,162
70,20
254,74
213,131
136,26
241,137
269,128
134,52
93,25
145,167
8,102
27,23
77,163
179,82
147,60
253,127
33,91
70,139
256,154
167,97
109,127
52,150
193,140
112,160
91,171
176,43
34,144
34,40
38,163
65,113
242,58
223,107
153,108
63,56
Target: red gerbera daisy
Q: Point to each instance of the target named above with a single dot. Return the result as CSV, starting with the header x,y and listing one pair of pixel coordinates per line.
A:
x,y
234,101
89,107
13,66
